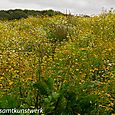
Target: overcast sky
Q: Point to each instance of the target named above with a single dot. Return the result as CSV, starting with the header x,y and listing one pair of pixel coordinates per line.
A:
x,y
89,7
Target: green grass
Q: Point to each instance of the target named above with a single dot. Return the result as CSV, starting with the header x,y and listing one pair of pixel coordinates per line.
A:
x,y
64,64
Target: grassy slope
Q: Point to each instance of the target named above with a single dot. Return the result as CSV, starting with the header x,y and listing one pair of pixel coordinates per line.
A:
x,y
86,57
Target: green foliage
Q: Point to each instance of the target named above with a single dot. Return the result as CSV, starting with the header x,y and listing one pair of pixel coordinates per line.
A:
x,y
8,102
66,99
57,33
18,14
4,15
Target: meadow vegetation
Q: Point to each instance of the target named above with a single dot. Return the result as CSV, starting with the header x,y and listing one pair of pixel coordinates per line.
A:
x,y
62,64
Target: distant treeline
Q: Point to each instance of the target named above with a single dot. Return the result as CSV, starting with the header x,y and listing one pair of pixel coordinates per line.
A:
x,y
18,13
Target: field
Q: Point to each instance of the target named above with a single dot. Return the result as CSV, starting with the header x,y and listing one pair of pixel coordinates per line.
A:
x,y
62,64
